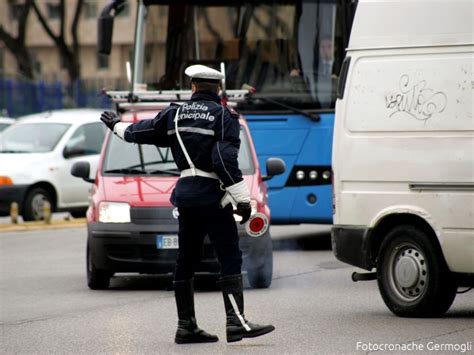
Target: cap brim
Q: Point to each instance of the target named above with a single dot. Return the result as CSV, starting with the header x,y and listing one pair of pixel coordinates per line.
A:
x,y
201,80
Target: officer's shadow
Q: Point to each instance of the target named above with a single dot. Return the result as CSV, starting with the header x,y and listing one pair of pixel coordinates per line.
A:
x,y
309,241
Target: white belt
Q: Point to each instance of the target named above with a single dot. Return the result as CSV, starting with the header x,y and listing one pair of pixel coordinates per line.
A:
x,y
198,172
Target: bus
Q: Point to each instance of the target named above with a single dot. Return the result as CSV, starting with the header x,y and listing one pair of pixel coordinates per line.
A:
x,y
281,61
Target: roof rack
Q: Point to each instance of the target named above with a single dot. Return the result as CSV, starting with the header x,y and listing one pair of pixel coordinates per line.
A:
x,y
151,105
166,96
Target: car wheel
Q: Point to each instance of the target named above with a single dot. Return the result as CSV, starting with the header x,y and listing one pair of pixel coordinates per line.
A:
x,y
261,277
34,204
412,275
96,279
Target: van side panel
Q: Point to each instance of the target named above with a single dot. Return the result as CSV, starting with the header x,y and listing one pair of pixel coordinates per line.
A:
x,y
405,137
408,23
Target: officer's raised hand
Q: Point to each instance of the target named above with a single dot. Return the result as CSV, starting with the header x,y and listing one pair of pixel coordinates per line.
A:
x,y
110,119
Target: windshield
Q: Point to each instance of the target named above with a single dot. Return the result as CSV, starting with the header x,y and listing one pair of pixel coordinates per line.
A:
x,y
31,137
124,158
290,51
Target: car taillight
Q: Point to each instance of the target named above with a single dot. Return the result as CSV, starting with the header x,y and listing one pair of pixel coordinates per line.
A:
x,y
257,225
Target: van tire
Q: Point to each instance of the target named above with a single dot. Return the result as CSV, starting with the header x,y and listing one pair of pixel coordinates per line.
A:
x,y
96,279
412,275
261,277
34,200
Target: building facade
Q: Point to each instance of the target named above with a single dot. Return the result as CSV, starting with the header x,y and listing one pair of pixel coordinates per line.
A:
x,y
47,61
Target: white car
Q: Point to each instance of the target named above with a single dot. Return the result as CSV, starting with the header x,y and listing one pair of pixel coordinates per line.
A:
x,y
36,155
5,122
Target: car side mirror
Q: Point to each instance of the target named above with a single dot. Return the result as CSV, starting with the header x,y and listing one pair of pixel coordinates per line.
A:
x,y
105,25
275,166
81,169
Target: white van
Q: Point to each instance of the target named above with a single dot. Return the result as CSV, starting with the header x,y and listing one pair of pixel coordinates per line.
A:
x,y
403,154
36,156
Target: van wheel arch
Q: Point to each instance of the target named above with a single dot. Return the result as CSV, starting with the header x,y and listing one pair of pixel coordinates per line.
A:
x,y
391,221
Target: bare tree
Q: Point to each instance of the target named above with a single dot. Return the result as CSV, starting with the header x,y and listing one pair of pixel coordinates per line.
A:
x,y
17,44
69,53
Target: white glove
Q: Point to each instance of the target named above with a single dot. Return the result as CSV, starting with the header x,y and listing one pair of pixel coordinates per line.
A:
x,y
235,194
119,129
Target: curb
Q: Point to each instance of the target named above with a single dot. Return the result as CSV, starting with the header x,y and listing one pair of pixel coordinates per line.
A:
x,y
41,225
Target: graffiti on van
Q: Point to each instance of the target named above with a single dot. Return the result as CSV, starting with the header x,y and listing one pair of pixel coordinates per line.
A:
x,y
416,100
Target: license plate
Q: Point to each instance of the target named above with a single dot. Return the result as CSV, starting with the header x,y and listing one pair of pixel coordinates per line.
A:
x,y
166,241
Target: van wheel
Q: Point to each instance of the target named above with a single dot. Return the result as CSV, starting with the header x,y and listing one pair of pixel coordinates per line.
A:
x,y
34,204
96,279
261,277
412,276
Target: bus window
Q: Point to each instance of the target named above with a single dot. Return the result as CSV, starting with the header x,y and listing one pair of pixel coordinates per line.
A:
x,y
290,51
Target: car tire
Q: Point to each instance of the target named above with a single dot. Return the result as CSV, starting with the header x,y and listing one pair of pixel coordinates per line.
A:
x,y
96,279
412,275
34,202
261,277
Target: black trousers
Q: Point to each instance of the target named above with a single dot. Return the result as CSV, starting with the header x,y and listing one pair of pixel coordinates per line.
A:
x,y
219,224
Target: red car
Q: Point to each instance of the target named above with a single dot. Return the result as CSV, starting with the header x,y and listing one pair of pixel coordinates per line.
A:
x,y
132,226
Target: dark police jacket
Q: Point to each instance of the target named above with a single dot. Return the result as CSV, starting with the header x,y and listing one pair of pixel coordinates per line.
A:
x,y
210,133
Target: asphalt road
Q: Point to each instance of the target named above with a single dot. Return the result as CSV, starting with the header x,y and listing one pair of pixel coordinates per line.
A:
x,y
46,306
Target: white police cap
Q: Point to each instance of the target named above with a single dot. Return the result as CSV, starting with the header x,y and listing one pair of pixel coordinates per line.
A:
x,y
201,72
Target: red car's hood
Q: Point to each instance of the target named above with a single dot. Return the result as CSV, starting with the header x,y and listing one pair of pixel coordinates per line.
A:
x,y
143,191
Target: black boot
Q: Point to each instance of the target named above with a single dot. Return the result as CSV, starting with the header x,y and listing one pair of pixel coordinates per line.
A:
x,y
188,331
237,327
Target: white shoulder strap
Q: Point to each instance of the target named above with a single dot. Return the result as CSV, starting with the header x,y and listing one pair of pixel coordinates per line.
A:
x,y
181,144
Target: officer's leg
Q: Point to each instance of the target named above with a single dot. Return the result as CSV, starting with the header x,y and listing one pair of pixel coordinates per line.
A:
x,y
224,236
191,235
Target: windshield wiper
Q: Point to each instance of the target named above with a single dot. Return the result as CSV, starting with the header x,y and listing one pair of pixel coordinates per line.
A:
x,y
251,96
174,172
148,163
132,170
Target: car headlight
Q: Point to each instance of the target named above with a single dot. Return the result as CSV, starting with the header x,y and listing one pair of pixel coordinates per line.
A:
x,y
114,212
253,204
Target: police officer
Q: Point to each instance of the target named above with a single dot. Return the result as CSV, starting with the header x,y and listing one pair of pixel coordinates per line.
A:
x,y
204,139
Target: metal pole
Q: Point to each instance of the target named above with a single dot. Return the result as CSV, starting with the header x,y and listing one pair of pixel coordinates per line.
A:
x,y
14,212
137,73
47,212
196,33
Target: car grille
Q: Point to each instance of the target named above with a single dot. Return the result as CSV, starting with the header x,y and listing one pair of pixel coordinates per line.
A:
x,y
153,215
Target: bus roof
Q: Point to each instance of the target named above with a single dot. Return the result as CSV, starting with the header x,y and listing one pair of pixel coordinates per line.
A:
x,y
412,23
